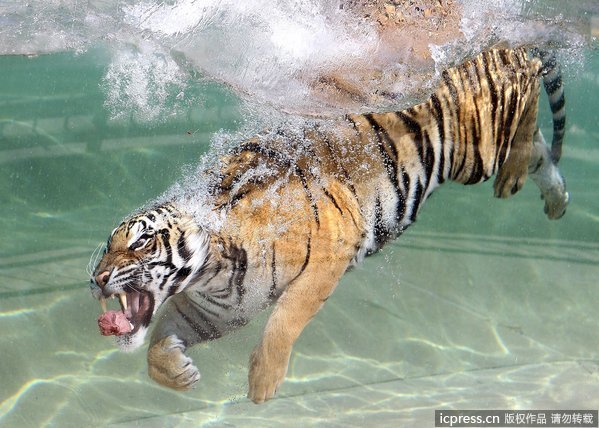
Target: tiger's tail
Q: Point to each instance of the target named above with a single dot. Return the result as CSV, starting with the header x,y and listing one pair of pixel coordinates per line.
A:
x,y
552,80
545,172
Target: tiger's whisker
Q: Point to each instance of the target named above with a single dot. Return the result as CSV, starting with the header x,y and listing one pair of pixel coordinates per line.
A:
x,y
94,259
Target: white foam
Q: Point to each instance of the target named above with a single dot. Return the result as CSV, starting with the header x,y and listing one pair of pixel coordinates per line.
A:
x,y
142,82
269,51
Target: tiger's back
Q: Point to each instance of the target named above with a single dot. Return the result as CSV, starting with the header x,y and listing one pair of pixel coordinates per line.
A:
x,y
479,122
299,208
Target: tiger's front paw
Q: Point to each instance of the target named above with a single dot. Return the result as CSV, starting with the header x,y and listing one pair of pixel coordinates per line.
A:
x,y
267,372
169,366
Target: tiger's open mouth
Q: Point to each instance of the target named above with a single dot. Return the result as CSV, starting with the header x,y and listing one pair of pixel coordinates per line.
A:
x,y
136,311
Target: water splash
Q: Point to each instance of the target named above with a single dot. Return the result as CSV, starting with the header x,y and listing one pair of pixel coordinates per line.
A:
x,y
311,57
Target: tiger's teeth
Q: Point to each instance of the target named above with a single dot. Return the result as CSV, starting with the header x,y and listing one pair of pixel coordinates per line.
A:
x,y
103,304
123,300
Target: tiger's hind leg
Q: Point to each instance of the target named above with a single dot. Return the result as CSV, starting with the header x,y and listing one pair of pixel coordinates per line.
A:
x,y
512,173
548,178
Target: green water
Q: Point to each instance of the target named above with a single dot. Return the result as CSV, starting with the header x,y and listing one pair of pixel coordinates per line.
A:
x,y
482,304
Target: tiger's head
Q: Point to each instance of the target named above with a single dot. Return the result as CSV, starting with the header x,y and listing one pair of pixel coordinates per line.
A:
x,y
148,258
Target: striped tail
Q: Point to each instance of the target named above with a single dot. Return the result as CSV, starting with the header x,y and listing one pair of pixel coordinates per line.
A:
x,y
552,80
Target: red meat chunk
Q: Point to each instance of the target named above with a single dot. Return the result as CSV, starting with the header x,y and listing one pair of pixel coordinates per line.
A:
x,y
114,323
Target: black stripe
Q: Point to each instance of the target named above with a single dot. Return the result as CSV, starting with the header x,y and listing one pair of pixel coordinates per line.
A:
x,y
558,105
479,76
414,127
416,199
237,197
171,290
463,139
437,111
391,169
182,249
123,271
166,276
239,259
223,293
152,265
466,136
381,233
383,137
213,301
182,273
492,89
273,269
402,196
453,101
509,121
306,260
217,270
166,236
499,128
452,91
204,309
559,124
429,158
163,282
553,85
472,77
333,200
278,157
309,196
389,164
241,275
235,255
477,168
213,332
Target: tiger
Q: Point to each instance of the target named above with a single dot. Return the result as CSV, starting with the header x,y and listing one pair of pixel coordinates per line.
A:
x,y
284,214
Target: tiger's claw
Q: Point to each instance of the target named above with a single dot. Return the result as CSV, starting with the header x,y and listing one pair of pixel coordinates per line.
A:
x,y
170,367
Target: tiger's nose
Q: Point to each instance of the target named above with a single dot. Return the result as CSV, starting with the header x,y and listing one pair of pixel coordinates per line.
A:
x,y
102,278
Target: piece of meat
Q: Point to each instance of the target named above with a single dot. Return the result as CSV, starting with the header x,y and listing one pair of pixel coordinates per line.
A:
x,y
114,323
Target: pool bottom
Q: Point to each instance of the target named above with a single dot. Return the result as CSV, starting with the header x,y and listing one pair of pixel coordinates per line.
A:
x,y
434,321
408,402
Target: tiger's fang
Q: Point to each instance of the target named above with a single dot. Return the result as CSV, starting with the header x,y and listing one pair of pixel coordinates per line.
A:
x,y
123,301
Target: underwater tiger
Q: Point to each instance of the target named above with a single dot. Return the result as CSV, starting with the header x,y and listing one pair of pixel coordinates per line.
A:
x,y
285,214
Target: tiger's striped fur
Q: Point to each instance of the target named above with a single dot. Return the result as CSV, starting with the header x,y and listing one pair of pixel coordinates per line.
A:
x,y
298,209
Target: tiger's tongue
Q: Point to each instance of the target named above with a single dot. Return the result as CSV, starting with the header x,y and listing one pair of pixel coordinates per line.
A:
x,y
114,323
